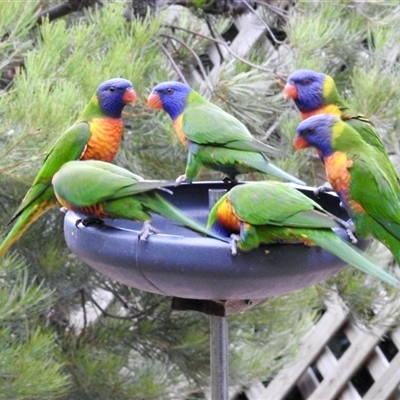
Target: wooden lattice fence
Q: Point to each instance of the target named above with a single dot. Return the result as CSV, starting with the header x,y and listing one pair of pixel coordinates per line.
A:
x,y
367,368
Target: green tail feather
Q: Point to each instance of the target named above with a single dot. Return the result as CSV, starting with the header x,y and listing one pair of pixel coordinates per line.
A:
x,y
347,252
268,168
162,207
388,234
23,222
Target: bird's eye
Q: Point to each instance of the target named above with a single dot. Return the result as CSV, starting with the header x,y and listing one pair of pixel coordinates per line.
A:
x,y
307,81
170,91
112,89
310,130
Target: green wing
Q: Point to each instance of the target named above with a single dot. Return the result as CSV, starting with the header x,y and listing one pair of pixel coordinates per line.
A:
x,y
367,131
361,123
69,146
83,183
350,254
364,127
370,174
105,166
212,216
207,124
275,203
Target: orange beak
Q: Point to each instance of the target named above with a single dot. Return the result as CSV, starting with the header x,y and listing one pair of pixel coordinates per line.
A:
x,y
290,92
300,143
154,102
129,96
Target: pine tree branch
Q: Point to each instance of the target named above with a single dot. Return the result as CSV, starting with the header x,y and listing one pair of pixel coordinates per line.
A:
x,y
251,10
283,13
65,8
119,317
215,7
173,63
221,42
221,7
82,292
197,58
211,29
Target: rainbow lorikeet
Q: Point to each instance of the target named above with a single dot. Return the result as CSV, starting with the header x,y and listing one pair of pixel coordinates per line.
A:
x,y
104,190
273,212
95,135
213,137
316,93
361,176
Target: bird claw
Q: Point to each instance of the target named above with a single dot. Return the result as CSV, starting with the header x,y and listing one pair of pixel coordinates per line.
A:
x,y
182,179
234,240
350,230
326,187
228,179
351,236
146,230
88,221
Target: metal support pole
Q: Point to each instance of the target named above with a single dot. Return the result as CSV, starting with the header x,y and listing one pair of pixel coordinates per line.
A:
x,y
219,364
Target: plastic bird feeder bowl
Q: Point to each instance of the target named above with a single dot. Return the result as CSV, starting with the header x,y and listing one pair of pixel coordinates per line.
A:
x,y
178,262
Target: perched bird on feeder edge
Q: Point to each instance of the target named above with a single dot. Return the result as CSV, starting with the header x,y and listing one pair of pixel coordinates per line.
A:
x,y
95,135
360,174
214,138
273,212
103,190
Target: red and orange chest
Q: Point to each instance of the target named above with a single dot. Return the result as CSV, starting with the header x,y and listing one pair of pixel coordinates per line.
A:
x,y
95,209
227,217
178,127
330,109
105,139
337,167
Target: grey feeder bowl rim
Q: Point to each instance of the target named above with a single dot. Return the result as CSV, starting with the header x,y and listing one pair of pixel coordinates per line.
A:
x,y
178,262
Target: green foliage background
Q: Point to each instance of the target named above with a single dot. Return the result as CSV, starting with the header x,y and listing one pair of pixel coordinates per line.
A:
x,y
47,75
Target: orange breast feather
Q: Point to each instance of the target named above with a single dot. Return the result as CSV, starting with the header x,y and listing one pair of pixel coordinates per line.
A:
x,y
337,171
227,217
178,127
96,209
330,109
105,139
